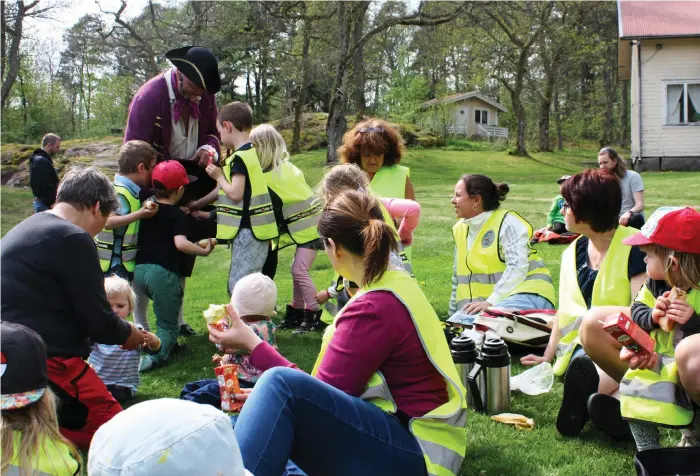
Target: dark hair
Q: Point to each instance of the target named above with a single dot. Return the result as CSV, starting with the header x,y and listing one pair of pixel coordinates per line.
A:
x,y
374,136
159,190
354,221
133,153
594,197
620,167
83,187
491,193
237,113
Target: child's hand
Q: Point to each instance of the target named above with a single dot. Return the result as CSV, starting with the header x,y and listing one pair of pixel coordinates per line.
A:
x,y
680,311
152,340
214,172
200,215
148,209
638,361
322,296
208,248
660,307
243,396
238,336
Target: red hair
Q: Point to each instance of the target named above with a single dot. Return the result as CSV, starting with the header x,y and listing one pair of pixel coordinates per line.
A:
x,y
389,142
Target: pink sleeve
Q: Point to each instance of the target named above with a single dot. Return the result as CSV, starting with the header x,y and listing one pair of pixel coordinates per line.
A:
x,y
408,211
362,341
264,357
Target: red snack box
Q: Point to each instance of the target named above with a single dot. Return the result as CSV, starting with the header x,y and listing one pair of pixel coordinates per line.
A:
x,y
227,376
629,334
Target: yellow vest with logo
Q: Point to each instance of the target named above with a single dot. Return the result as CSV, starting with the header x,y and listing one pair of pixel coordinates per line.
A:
x,y
656,395
611,288
441,433
130,242
300,209
390,181
54,459
479,269
229,213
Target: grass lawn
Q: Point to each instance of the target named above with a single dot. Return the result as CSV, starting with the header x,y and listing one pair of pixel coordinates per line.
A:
x,y
493,449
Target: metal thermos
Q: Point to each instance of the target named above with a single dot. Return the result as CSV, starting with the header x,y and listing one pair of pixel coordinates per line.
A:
x,y
489,380
464,355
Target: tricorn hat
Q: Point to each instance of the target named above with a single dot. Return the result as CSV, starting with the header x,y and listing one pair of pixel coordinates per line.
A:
x,y
199,65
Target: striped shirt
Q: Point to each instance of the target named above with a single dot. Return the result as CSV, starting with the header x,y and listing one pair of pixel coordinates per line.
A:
x,y
116,366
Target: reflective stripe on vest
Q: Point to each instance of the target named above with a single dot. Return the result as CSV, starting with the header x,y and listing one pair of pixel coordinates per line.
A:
x,y
481,267
440,433
656,395
390,181
611,288
230,213
130,241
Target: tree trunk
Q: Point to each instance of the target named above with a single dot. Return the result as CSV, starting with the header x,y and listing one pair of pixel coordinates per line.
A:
x,y
359,61
545,106
198,23
23,101
520,147
609,87
335,128
301,97
625,111
3,55
13,55
557,119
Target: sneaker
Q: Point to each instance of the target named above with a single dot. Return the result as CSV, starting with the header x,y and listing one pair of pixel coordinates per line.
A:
x,y
292,318
604,411
580,382
187,331
312,322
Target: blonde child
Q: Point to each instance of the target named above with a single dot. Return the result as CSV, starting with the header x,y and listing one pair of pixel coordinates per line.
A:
x,y
668,306
117,367
253,299
31,440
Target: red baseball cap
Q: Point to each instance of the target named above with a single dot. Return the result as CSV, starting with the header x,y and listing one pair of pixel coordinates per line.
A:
x,y
671,227
169,175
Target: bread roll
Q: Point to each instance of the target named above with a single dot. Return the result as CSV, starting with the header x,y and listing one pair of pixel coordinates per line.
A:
x,y
665,322
150,204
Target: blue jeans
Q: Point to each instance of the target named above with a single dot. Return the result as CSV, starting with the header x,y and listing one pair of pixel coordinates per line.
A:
x,y
291,415
516,302
39,206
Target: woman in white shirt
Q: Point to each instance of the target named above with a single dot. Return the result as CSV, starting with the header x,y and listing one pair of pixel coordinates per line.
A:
x,y
494,264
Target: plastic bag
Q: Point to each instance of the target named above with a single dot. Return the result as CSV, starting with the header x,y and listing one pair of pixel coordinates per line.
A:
x,y
534,381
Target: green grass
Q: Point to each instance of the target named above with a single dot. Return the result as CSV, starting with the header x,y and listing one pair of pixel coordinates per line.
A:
x,y
494,449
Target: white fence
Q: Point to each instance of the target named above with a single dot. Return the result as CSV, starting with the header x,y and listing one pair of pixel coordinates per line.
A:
x,y
492,131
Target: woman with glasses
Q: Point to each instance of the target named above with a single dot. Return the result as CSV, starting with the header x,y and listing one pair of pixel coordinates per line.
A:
x,y
494,263
596,270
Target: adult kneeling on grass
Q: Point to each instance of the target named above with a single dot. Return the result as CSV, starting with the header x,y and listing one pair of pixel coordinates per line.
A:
x,y
52,283
384,392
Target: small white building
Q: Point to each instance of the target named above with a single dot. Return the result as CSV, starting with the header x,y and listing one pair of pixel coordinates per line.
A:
x,y
466,114
659,53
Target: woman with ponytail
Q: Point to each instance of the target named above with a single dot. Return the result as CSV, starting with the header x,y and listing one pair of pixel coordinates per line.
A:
x,y
494,263
384,392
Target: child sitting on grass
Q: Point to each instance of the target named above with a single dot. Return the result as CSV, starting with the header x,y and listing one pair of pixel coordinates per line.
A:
x,y
119,368
253,299
31,440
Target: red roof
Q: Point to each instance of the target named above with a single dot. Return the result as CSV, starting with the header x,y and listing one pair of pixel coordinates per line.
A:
x,y
650,19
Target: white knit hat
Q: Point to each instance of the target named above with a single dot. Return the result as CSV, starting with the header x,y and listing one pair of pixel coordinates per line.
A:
x,y
254,295
164,437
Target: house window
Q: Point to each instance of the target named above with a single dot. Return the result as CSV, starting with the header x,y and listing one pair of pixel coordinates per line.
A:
x,y
481,116
683,103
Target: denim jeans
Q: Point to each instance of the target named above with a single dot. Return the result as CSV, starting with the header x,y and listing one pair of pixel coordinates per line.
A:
x,y
516,302
291,415
39,206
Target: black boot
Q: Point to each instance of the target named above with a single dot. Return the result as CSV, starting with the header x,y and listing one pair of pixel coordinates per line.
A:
x,y
293,318
580,382
604,411
312,322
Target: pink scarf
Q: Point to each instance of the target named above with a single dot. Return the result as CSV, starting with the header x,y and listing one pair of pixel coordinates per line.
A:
x,y
181,101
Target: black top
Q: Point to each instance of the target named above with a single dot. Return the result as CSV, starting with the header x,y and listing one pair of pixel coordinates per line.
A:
x,y
43,178
157,238
641,313
238,167
586,276
51,282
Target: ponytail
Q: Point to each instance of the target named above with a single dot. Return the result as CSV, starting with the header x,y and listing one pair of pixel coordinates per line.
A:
x,y
379,240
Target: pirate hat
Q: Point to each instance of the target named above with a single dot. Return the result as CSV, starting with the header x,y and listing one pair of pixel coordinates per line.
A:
x,y
199,65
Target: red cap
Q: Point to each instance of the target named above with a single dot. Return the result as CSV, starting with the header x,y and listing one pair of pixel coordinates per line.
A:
x,y
170,175
671,227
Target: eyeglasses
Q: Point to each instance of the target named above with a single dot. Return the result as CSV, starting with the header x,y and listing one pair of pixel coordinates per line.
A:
x,y
364,130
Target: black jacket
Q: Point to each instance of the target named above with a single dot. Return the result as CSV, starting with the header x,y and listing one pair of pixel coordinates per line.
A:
x,y
43,178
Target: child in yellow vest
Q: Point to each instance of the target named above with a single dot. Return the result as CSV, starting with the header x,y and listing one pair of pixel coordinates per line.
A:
x,y
667,306
31,441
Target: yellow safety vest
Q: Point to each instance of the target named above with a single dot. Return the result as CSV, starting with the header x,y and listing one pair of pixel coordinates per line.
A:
x,y
656,395
441,433
390,181
54,458
300,209
130,242
479,269
229,213
611,288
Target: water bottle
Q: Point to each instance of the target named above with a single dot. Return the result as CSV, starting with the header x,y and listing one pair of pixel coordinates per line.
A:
x,y
464,355
489,380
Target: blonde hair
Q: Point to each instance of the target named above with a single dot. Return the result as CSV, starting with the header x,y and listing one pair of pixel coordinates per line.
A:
x,y
270,146
38,425
688,265
341,178
119,287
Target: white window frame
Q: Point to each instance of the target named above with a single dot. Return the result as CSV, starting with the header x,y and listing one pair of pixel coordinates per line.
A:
x,y
481,116
664,102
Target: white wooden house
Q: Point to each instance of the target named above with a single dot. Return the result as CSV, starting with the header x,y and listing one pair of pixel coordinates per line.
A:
x,y
466,114
659,53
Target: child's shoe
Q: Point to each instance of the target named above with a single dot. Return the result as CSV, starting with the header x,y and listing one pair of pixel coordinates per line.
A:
x,y
312,322
187,331
292,318
580,382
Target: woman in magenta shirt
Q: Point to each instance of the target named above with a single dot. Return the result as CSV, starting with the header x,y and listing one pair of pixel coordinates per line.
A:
x,y
320,422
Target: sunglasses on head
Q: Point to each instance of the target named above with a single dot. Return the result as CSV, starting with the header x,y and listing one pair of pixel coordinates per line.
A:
x,y
364,130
